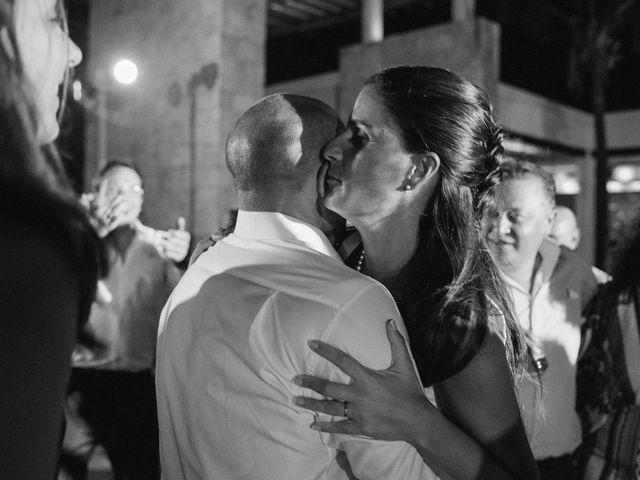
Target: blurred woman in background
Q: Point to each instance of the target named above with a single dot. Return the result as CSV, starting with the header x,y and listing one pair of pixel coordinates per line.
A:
x,y
608,379
50,255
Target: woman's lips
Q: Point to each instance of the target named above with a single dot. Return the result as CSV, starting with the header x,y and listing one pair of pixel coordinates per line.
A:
x,y
321,186
325,180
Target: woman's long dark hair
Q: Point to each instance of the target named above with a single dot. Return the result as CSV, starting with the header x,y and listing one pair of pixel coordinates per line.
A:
x,y
625,263
449,291
32,176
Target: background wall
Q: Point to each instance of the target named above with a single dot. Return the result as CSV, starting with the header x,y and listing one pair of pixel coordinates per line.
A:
x,y
149,121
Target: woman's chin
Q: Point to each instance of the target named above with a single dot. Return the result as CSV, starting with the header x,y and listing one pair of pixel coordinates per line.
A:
x,y
47,132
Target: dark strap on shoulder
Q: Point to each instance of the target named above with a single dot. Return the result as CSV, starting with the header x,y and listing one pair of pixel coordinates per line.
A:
x,y
636,305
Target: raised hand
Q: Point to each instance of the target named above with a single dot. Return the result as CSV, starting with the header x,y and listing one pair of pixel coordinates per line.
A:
x,y
175,242
106,208
378,403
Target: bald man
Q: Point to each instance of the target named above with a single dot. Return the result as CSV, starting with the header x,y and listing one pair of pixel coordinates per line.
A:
x,y
565,229
566,233
234,332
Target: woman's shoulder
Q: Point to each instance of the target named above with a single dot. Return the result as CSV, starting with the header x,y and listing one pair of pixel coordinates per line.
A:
x,y
31,238
39,226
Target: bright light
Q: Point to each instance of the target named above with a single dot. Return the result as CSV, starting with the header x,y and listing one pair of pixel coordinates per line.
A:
x,y
77,90
623,173
568,186
614,186
125,71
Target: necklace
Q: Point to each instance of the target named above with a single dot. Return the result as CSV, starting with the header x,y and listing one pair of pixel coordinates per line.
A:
x,y
360,262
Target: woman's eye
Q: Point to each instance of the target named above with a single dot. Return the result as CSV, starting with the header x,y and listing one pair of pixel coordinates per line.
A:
x,y
361,136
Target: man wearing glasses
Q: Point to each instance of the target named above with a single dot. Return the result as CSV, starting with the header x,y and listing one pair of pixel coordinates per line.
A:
x,y
111,398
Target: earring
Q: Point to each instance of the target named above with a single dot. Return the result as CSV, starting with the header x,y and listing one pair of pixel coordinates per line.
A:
x,y
407,187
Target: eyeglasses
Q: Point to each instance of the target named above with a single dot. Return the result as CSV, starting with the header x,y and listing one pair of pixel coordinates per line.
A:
x,y
112,189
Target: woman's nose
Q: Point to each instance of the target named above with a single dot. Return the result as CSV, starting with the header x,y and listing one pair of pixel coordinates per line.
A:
x,y
332,151
75,54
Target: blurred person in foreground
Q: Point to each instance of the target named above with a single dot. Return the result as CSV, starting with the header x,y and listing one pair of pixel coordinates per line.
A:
x,y
235,330
565,232
608,394
550,287
111,398
50,253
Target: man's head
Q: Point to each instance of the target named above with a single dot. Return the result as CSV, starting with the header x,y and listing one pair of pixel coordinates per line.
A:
x,y
273,153
565,229
121,179
517,213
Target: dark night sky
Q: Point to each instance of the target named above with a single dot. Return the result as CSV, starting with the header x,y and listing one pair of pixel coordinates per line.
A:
x,y
534,48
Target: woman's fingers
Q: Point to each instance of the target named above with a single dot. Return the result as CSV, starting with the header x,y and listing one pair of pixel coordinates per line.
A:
x,y
334,408
400,356
340,359
339,391
401,361
347,427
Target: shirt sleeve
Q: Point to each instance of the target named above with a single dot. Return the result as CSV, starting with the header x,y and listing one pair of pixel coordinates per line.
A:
x,y
589,285
359,329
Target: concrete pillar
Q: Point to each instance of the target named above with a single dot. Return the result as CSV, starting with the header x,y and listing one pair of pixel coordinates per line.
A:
x,y
587,207
174,120
372,19
462,10
470,49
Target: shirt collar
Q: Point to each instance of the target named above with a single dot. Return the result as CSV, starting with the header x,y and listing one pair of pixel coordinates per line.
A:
x,y
549,253
278,226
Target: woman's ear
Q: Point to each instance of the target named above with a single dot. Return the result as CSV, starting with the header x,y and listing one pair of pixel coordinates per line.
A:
x,y
423,167
6,44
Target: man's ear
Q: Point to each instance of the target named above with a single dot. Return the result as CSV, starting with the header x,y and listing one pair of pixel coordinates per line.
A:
x,y
424,166
5,43
551,217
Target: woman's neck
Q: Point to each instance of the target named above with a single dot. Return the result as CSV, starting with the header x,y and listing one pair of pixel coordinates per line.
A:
x,y
388,248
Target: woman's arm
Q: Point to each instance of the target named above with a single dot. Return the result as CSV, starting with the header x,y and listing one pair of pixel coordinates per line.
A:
x,y
388,405
39,303
480,399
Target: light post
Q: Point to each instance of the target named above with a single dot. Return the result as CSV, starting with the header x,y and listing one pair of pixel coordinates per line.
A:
x,y
124,72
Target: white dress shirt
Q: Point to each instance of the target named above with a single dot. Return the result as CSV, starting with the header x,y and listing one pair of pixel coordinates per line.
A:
x,y
562,286
234,334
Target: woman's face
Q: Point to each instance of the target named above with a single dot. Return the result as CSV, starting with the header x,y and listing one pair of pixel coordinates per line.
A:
x,y
367,165
46,52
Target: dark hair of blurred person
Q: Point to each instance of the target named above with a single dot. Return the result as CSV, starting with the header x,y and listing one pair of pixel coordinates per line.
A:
x,y
50,253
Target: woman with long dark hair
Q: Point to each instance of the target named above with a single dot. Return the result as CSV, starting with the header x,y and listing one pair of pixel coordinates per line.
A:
x,y
407,173
50,255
